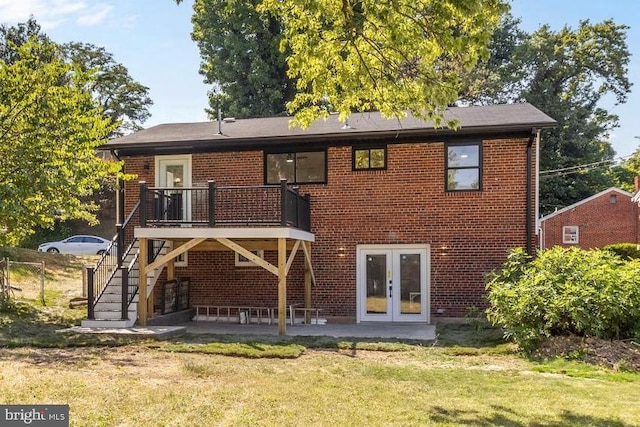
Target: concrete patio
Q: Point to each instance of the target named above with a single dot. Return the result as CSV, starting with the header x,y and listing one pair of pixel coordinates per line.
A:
x,y
409,331
406,331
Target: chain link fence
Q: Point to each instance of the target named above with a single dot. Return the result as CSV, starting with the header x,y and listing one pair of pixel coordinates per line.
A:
x,y
21,278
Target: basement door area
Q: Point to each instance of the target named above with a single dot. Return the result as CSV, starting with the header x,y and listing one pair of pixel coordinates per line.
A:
x,y
393,283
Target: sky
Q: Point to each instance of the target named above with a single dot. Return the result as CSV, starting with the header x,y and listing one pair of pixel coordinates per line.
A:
x,y
152,38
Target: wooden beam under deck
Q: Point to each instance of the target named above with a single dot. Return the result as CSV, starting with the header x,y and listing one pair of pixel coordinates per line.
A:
x,y
249,244
242,246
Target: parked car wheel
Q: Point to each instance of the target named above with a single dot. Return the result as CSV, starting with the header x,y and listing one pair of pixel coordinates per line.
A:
x,y
53,251
101,251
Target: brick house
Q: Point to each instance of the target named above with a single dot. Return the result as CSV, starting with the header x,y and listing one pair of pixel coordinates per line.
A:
x,y
611,216
378,219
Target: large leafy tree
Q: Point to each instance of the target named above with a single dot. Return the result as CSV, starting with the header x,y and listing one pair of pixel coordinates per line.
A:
x,y
49,129
240,54
360,55
567,74
124,101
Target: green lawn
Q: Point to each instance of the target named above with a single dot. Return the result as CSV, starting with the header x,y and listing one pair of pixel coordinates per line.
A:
x,y
138,385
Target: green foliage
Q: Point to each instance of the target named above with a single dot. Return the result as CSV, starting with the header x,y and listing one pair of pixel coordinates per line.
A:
x,y
59,231
57,104
384,56
565,291
49,130
123,101
624,250
240,54
344,55
566,74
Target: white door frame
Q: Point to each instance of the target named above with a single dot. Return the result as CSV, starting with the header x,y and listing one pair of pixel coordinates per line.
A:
x,y
393,252
183,160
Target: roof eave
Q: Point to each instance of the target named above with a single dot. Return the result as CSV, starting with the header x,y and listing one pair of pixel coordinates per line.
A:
x,y
221,141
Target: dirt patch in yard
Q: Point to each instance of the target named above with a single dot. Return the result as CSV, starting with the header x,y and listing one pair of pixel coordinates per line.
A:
x,y
622,355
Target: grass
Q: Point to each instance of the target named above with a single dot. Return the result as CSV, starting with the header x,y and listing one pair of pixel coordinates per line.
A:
x,y
469,376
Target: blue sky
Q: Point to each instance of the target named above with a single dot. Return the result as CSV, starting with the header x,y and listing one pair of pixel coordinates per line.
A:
x,y
152,39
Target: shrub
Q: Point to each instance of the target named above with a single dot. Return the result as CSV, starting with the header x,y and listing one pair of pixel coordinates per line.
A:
x,y
565,291
624,250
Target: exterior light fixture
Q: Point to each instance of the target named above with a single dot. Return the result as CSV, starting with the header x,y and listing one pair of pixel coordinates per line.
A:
x,y
289,157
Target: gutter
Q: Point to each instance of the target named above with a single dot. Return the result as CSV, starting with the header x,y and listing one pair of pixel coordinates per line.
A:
x,y
538,225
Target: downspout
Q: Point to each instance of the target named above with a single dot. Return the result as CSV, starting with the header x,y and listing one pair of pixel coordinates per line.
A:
x,y
539,230
530,196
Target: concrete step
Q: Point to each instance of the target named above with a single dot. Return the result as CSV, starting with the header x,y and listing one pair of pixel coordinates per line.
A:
x,y
113,295
107,323
112,315
110,306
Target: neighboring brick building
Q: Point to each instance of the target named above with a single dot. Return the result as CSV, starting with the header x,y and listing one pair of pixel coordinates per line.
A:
x,y
602,219
405,219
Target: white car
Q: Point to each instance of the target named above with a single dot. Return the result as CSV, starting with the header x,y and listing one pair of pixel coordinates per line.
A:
x,y
77,245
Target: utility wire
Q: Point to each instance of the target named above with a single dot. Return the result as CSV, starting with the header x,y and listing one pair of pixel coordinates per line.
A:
x,y
579,168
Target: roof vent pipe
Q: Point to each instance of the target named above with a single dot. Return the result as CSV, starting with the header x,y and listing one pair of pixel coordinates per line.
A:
x,y
219,121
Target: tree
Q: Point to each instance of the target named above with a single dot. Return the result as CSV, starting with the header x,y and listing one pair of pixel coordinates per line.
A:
x,y
566,74
390,56
49,130
124,101
240,54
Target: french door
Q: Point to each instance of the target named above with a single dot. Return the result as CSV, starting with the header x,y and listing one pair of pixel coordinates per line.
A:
x,y
393,283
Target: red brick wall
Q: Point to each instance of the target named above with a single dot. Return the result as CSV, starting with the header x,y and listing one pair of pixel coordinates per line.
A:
x,y
469,233
600,222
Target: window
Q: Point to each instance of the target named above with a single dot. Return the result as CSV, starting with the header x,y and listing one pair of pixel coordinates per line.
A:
x,y
369,158
297,168
182,260
570,234
463,167
242,261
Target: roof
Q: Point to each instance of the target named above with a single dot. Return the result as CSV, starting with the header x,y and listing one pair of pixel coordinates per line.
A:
x,y
588,199
473,120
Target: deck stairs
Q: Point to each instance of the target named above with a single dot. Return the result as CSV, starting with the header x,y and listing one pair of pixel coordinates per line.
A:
x,y
108,305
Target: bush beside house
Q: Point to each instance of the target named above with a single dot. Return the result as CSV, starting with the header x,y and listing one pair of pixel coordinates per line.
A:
x,y
565,291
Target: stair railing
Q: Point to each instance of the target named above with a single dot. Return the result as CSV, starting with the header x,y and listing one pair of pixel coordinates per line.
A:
x,y
112,259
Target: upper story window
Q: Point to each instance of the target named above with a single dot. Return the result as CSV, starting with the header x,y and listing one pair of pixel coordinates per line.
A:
x,y
303,167
369,158
571,234
463,167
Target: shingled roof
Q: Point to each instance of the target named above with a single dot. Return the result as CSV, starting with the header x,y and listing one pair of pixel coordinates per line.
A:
x,y
473,120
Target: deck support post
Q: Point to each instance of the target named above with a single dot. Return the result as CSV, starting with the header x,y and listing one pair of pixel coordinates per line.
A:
x,y
307,290
142,283
171,269
282,286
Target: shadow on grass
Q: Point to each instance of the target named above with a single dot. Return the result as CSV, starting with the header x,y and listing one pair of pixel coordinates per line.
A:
x,y
455,339
506,417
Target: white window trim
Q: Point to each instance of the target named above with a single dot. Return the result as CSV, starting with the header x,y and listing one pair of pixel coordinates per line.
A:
x,y
182,260
571,230
245,262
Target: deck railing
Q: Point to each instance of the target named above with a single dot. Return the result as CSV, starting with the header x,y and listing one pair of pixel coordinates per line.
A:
x,y
233,206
